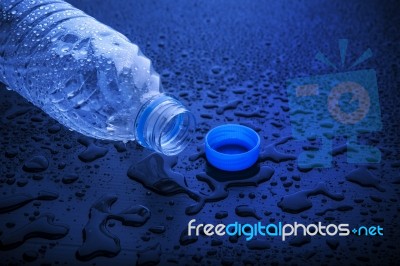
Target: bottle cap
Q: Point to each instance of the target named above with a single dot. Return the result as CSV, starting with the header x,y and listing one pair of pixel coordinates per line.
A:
x,y
232,147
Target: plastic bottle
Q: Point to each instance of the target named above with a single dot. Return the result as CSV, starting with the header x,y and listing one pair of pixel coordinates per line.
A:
x,y
87,76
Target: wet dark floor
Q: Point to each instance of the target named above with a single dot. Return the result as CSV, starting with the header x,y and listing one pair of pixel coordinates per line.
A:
x,y
67,199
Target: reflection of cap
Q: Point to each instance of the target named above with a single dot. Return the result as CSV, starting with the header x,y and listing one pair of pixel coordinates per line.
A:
x,y
232,147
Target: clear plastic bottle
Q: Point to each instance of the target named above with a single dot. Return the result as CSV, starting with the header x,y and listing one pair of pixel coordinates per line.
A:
x,y
87,76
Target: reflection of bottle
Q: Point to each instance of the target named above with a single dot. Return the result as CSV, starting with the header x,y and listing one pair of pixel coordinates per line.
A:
x,y
87,76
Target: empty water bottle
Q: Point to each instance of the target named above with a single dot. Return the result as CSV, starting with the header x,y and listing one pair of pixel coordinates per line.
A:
x,y
87,76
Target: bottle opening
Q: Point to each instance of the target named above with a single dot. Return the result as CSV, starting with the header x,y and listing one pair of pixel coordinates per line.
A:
x,y
177,134
165,125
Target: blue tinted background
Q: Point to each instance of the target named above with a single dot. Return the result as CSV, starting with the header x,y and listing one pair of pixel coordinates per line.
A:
x,y
228,61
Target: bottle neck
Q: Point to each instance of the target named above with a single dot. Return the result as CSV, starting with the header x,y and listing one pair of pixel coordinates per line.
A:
x,y
164,125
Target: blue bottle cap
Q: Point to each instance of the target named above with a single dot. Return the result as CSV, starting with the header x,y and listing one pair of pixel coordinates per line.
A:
x,y
232,147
